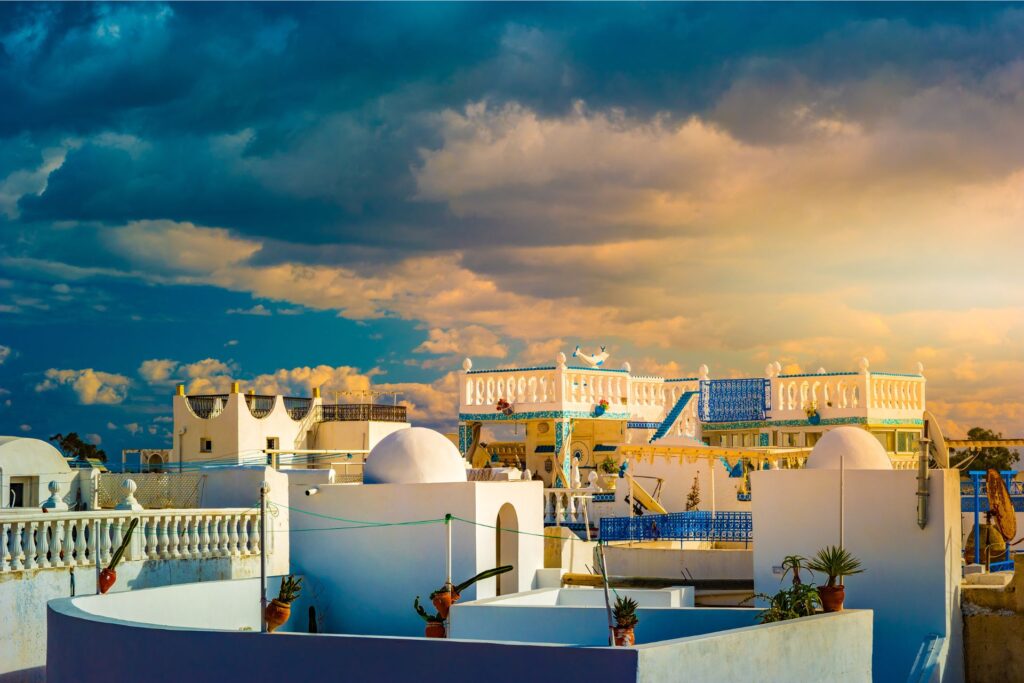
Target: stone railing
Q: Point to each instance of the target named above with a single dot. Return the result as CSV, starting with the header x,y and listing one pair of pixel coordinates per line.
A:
x,y
562,388
863,394
66,539
567,506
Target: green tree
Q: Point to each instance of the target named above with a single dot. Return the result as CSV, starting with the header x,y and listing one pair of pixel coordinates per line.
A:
x,y
989,457
693,497
75,448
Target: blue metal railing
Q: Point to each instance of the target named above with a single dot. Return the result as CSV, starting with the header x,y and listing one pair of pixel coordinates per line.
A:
x,y
698,525
971,501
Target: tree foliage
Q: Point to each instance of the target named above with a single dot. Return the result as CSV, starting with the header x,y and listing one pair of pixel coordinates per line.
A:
x,y
990,457
74,447
693,497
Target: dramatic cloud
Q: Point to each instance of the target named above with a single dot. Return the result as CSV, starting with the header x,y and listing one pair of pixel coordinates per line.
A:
x,y
90,386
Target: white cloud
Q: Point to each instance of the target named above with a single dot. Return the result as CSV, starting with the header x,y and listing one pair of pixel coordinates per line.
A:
x,y
90,386
258,309
471,340
5,353
25,427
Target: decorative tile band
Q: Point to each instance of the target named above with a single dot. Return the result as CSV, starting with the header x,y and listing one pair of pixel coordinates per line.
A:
x,y
540,415
765,424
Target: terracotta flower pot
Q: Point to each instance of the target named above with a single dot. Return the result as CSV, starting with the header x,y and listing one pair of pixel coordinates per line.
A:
x,y
108,577
276,614
832,598
625,637
435,629
443,602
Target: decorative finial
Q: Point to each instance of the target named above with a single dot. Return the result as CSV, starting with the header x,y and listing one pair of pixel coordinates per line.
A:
x,y
129,502
769,370
863,364
467,365
821,371
778,367
920,368
560,359
702,372
234,388
54,502
627,367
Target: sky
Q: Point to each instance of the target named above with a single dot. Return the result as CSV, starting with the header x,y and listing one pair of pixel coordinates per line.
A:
x,y
295,195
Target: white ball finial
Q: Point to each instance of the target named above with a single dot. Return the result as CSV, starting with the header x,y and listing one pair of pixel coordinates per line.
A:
x,y
821,371
702,372
627,367
769,370
54,502
560,359
129,502
863,364
920,368
778,367
467,365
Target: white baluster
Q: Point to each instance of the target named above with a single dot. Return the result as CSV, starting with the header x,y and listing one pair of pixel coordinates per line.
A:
x,y
197,539
81,547
116,533
43,545
204,548
30,545
243,535
255,539
221,535
152,548
56,542
5,557
232,535
163,534
17,541
107,546
175,537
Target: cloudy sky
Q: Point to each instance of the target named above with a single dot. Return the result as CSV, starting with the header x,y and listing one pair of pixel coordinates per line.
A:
x,y
296,195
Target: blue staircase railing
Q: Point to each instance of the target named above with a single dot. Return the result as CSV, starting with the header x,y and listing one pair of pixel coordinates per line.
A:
x,y
697,525
673,415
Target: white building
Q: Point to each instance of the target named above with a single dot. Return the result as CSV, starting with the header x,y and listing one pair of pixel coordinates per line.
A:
x,y
236,428
27,466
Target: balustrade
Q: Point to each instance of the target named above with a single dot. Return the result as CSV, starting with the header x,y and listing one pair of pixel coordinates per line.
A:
x,y
80,538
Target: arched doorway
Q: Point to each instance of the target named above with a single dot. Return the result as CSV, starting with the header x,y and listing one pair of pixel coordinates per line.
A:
x,y
155,462
506,549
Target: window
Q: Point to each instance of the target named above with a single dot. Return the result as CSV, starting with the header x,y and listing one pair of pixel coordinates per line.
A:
x,y
887,439
908,442
272,442
748,440
205,445
811,438
790,439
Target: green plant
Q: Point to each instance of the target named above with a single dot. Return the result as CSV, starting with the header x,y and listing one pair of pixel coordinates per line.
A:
x,y
116,557
693,497
794,563
799,600
836,562
290,589
609,465
429,618
486,574
624,612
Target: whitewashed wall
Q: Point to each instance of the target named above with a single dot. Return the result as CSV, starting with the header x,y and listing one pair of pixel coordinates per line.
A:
x,y
912,575
363,581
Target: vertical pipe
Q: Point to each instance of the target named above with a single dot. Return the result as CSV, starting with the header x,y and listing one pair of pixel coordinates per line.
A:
x,y
976,480
448,566
607,599
922,480
264,487
842,507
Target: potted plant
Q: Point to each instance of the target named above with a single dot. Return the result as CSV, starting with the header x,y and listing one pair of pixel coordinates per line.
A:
x,y
504,407
836,562
626,620
793,563
601,408
811,410
280,608
108,575
446,595
799,600
435,622
607,469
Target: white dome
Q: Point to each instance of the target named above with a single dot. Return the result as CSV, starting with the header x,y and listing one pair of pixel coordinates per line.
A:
x,y
414,456
862,451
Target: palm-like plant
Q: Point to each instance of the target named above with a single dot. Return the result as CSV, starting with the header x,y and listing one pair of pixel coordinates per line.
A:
x,y
290,589
801,600
836,562
624,612
794,563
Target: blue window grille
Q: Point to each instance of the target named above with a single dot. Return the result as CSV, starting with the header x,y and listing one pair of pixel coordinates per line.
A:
x,y
734,400
698,525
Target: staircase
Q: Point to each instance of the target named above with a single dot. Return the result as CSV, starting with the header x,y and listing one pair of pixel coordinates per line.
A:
x,y
673,415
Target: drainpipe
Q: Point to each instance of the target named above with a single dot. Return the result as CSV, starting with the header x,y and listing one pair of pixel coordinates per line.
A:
x,y
922,480
181,443
2,496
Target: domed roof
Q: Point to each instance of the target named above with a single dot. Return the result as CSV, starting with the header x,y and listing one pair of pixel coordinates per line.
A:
x,y
25,457
414,456
860,449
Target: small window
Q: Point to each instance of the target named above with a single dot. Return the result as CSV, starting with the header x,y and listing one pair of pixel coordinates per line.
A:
x,y
272,442
811,438
205,445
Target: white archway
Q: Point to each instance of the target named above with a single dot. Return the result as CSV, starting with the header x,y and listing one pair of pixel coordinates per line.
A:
x,y
506,549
